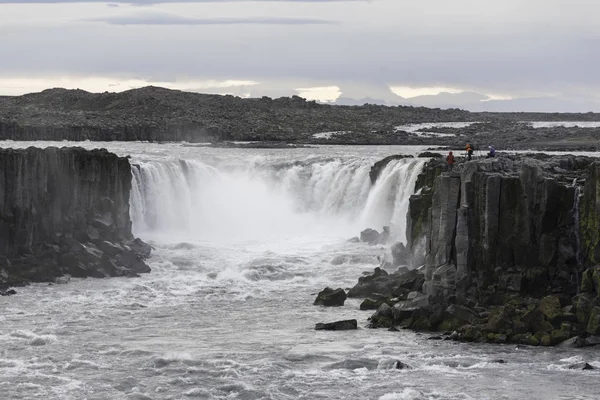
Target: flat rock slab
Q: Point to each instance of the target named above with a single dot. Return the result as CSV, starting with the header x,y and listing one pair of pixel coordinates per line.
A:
x,y
337,326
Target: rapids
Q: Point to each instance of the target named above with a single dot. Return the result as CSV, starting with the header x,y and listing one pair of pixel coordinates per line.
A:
x,y
244,239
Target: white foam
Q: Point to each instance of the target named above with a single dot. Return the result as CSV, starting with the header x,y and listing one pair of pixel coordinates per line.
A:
x,y
34,339
329,135
429,127
405,394
566,124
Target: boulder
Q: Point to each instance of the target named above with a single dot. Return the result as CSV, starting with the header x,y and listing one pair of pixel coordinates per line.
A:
x,y
8,292
370,236
501,320
337,326
387,285
583,366
463,313
371,304
401,365
414,307
331,298
593,326
550,307
382,318
140,248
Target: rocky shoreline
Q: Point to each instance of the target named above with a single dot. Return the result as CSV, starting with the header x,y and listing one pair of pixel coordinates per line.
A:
x,y
65,213
501,250
160,115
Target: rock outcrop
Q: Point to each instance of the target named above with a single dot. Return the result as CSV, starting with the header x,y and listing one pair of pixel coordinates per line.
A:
x,y
329,297
66,212
511,247
345,325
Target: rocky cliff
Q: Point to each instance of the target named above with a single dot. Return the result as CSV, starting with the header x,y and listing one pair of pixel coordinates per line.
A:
x,y
66,211
511,246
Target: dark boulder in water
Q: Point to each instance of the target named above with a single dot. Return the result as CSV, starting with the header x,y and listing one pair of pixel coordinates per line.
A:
x,y
370,236
582,366
331,298
401,365
9,292
382,283
337,326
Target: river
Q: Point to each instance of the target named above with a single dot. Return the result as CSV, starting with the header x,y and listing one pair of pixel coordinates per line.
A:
x,y
244,239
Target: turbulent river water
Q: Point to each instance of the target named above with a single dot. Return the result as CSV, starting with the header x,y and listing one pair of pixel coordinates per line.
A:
x,y
244,239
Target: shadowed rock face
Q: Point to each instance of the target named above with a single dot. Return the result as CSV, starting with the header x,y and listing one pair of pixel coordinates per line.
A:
x,y
66,211
506,225
511,255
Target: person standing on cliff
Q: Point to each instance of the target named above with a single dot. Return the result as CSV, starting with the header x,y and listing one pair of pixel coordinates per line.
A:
x,y
450,161
469,152
492,152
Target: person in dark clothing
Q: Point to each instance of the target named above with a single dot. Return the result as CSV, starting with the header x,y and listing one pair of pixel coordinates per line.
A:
x,y
469,152
492,152
450,161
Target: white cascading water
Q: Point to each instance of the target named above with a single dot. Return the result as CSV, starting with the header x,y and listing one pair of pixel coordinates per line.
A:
x,y
277,200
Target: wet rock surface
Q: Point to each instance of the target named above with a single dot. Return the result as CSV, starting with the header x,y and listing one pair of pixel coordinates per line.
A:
x,y
337,326
65,212
331,298
510,256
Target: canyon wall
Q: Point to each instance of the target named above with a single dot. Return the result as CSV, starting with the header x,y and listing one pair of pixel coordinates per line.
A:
x,y
66,211
511,251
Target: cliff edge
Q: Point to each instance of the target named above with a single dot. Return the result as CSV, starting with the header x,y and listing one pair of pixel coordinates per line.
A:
x,y
66,212
508,248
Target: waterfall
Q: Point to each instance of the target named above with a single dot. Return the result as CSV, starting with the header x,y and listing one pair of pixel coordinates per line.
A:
x,y
577,240
271,198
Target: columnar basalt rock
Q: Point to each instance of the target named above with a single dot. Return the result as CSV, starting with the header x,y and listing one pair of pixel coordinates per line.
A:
x,y
66,211
512,252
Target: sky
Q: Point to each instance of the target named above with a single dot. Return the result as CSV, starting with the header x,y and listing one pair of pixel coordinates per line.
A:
x,y
476,53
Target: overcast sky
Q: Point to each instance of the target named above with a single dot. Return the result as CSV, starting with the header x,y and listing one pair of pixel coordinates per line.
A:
x,y
501,48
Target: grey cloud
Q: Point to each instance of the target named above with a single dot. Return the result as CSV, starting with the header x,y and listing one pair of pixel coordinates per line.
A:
x,y
168,19
152,2
367,48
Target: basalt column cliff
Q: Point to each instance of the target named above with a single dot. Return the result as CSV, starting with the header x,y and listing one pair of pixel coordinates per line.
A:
x,y
66,211
511,246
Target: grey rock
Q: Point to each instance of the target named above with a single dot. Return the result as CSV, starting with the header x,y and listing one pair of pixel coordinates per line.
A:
x,y
370,236
337,326
329,297
582,366
71,202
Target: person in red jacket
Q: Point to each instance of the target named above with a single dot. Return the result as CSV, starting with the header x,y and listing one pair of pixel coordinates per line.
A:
x,y
450,161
